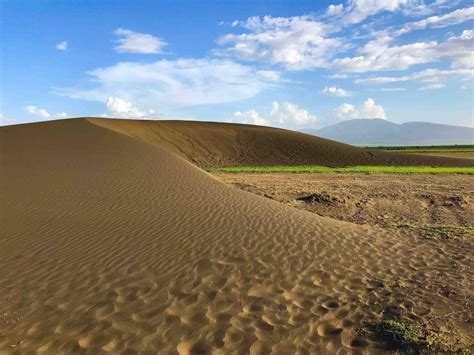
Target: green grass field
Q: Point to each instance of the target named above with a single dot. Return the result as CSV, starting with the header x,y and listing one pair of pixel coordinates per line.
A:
x,y
427,149
350,169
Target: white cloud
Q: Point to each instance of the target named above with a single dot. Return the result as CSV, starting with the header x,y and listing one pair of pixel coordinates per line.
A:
x,y
37,111
307,42
435,86
134,42
369,109
334,91
337,76
335,9
427,75
390,89
346,112
284,114
378,55
269,75
460,49
297,42
166,84
122,109
61,115
250,117
358,10
452,18
62,46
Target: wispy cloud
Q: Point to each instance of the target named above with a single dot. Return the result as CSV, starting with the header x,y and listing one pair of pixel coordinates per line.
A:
x,y
449,19
173,83
379,55
134,42
62,46
426,75
435,86
389,89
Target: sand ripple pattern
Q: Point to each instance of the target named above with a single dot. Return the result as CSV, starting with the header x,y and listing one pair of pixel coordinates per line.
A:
x,y
109,244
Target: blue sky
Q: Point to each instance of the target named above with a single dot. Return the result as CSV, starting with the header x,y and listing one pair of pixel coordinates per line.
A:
x,y
292,64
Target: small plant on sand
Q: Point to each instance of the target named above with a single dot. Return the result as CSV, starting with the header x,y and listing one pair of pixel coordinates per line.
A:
x,y
448,232
437,232
414,338
401,335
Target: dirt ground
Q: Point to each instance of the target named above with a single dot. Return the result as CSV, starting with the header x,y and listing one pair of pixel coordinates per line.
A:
x,y
387,200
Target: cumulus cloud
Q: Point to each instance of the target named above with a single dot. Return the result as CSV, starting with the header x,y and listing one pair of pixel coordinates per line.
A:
x,y
174,83
34,110
62,46
369,109
334,91
297,42
283,114
346,112
134,42
250,117
122,109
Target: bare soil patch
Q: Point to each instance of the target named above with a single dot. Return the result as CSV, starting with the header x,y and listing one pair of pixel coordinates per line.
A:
x,y
378,199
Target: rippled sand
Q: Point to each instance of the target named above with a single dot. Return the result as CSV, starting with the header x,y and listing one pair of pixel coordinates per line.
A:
x,y
109,244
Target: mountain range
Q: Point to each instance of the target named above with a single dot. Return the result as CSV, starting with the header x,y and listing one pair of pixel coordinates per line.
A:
x,y
378,132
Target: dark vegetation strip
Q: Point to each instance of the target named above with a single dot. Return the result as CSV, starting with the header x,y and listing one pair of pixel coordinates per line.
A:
x,y
350,169
426,149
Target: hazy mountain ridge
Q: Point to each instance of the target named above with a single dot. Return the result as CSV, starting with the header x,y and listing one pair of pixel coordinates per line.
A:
x,y
382,132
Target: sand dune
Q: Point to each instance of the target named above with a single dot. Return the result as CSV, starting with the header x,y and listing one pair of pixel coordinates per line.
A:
x,y
109,243
209,144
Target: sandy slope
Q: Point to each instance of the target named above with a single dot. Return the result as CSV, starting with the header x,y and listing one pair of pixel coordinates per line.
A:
x,y
108,243
210,144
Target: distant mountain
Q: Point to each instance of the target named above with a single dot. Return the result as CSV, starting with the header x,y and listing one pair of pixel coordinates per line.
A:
x,y
374,132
